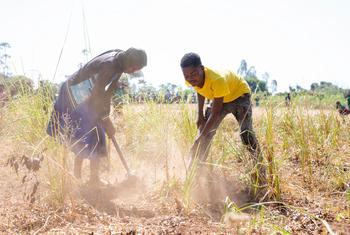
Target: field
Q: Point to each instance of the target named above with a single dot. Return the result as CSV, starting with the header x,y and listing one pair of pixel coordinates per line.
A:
x,y
305,149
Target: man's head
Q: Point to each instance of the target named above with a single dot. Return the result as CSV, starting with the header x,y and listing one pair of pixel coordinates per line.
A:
x,y
193,69
337,104
135,59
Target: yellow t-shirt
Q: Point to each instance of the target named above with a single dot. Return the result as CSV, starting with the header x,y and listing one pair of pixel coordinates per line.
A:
x,y
226,84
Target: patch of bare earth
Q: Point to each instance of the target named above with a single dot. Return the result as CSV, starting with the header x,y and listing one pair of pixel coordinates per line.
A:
x,y
119,209
110,209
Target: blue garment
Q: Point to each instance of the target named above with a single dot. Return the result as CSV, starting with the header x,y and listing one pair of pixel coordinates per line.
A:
x,y
77,127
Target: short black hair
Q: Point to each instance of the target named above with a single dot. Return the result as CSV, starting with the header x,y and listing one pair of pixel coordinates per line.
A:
x,y
136,56
190,59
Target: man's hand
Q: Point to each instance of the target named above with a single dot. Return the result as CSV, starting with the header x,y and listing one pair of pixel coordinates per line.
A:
x,y
214,113
108,127
200,120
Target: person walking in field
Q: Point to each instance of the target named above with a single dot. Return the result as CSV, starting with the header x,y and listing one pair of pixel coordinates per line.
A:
x,y
80,117
288,99
257,101
229,94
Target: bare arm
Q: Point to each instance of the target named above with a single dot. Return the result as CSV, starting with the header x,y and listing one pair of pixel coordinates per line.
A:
x,y
215,113
200,117
102,99
201,100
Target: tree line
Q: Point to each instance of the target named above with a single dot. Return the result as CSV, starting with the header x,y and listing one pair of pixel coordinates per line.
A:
x,y
142,91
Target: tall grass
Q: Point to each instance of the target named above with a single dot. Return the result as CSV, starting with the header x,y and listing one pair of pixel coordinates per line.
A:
x,y
309,101
25,124
299,143
273,172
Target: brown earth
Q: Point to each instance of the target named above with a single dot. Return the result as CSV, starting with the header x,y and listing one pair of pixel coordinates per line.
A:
x,y
111,209
120,209
155,207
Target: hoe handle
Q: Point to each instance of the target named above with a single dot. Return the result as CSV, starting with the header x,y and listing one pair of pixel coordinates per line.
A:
x,y
121,156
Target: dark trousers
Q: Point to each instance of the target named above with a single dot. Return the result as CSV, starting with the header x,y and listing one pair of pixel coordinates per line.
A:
x,y
241,108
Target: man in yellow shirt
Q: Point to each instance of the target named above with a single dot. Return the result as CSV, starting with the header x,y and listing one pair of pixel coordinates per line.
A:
x,y
229,94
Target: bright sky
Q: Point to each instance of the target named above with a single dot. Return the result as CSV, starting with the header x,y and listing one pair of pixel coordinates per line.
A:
x,y
295,41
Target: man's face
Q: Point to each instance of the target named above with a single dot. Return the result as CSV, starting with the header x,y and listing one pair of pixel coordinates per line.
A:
x,y
194,75
132,69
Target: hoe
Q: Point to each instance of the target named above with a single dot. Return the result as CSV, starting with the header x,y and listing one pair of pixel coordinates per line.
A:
x,y
131,179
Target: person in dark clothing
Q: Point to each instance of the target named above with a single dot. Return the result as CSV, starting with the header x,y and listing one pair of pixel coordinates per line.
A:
x,y
342,109
257,101
287,99
80,117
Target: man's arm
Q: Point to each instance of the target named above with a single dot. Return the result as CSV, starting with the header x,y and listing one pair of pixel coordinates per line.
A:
x,y
200,117
100,99
215,113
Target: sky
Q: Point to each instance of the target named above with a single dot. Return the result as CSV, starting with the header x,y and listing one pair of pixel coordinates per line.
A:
x,y
296,42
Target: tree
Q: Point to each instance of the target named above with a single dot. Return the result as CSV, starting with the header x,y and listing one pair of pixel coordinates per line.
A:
x,y
168,87
325,84
299,88
256,84
314,86
20,84
265,76
4,57
325,87
250,76
242,70
147,91
273,86
251,73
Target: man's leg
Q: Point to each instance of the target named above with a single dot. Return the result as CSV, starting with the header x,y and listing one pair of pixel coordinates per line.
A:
x,y
242,110
247,134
